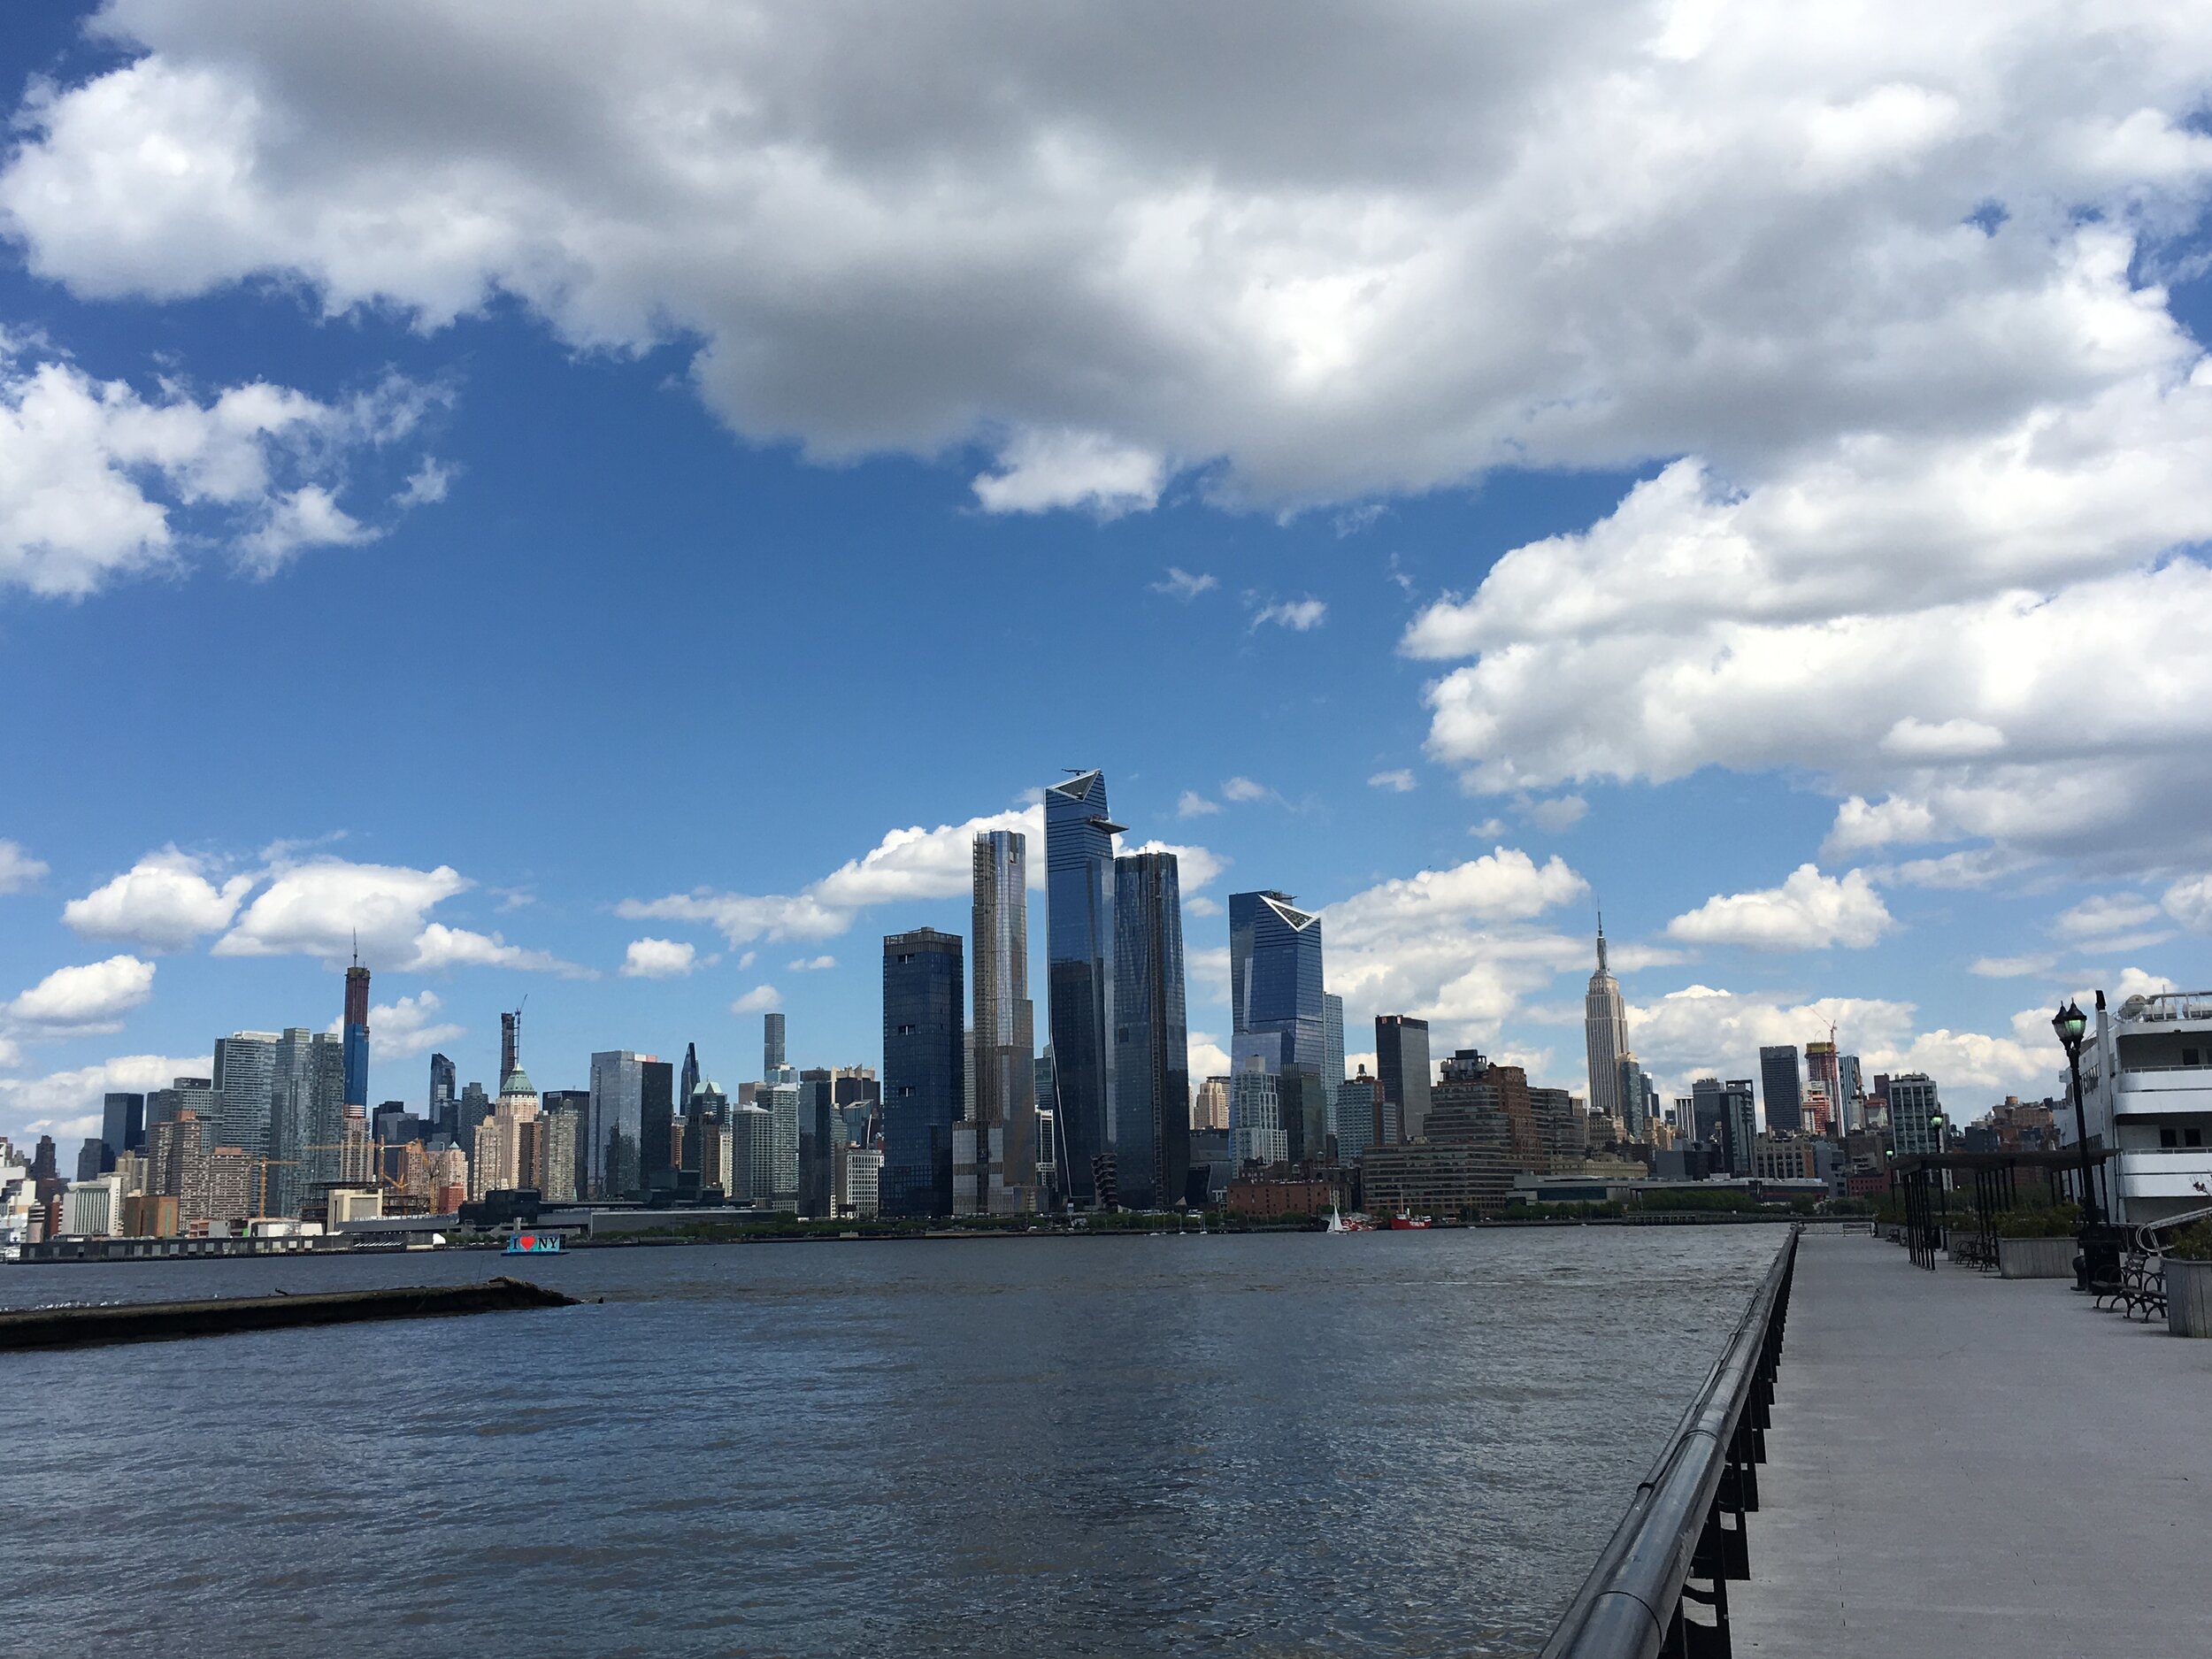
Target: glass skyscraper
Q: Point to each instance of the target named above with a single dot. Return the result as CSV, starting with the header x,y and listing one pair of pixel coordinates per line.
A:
x,y
244,1087
1003,1084
1780,1083
1079,973
1401,1061
924,1027
1332,1051
443,1112
617,1090
1275,995
356,1031
1150,1132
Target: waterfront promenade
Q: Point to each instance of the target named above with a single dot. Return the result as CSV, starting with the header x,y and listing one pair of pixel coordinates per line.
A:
x,y
1968,1466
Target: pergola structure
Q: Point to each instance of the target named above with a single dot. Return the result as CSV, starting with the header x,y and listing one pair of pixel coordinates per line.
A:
x,y
1929,1212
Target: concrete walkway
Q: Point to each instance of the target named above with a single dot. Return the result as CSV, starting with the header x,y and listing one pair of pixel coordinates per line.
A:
x,y
1965,1466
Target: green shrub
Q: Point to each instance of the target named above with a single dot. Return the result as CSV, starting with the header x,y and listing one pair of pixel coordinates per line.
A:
x,y
2043,1221
2193,1244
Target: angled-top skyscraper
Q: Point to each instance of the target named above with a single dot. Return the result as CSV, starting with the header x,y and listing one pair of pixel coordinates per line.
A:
x,y
1275,995
1605,1034
1080,972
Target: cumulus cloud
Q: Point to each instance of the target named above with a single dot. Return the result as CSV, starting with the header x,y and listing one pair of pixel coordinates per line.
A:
x,y
759,1000
813,964
1038,471
1551,236
1809,911
18,869
1246,790
1560,813
427,485
1181,584
2100,918
2026,967
658,959
327,907
1190,803
1300,616
163,902
1398,781
1194,866
91,998
407,1026
99,482
66,1104
2189,901
1206,1056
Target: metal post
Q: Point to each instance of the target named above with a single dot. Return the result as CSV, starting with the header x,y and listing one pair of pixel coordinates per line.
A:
x,y
2081,1137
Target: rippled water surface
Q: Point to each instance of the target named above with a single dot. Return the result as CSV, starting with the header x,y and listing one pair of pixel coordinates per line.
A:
x,y
1405,1443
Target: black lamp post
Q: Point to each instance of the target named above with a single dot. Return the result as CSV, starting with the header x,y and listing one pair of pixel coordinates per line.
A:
x,y
2070,1023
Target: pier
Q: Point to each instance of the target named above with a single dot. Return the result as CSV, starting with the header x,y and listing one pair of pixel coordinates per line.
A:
x,y
1965,1465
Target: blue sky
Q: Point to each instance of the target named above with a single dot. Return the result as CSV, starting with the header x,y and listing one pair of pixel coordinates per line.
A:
x,y
711,583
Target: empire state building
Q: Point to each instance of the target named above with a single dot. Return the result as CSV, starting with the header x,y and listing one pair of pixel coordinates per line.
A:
x,y
1605,1034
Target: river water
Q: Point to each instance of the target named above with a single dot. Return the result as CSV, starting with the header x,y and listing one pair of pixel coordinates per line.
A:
x,y
1404,1444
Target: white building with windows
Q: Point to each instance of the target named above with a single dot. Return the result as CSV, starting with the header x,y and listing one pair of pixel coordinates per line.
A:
x,y
2147,1092
1255,1118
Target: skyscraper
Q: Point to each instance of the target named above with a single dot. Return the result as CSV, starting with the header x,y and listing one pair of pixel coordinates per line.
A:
x,y
122,1125
1151,1118
687,1080
1635,1115
357,1035
1605,1037
1915,1115
1823,1069
771,1051
1854,1096
1331,1050
616,1130
923,1027
657,1121
820,1127
445,1092
1079,975
1004,1084
243,1092
510,1043
1275,996
307,1077
1401,1062
1779,1081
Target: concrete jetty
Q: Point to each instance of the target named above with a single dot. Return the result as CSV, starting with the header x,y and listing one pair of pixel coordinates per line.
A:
x,y
1971,1466
165,1321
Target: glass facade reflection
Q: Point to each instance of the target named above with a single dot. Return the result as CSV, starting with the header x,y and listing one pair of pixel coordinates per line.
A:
x,y
924,1027
1151,1118
1080,970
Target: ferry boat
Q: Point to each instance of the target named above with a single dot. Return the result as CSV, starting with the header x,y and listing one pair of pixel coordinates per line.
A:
x,y
533,1244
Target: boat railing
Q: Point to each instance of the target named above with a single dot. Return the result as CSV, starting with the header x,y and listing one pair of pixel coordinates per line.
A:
x,y
1661,1583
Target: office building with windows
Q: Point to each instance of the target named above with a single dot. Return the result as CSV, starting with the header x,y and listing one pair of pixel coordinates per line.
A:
x,y
616,1125
1605,1037
1401,1062
924,1025
1002,1162
1151,1118
1779,1081
1080,978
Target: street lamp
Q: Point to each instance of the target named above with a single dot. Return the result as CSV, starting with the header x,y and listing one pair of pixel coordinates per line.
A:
x,y
2070,1023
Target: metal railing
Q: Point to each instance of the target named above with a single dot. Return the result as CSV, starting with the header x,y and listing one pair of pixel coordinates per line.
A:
x,y
1661,1583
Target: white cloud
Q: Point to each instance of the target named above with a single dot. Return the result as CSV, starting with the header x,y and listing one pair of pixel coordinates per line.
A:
x,y
327,907
427,485
2189,901
165,901
1206,1058
2098,919
1195,867
1246,790
1300,616
1557,814
91,998
759,1000
1398,781
812,965
1040,471
1201,906
18,869
1809,911
1551,236
408,1026
1488,830
2027,967
1190,803
98,481
66,1104
307,517
1181,584
658,959
907,865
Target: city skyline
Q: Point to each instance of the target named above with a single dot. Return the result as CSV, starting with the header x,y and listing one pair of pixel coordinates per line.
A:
x,y
1369,608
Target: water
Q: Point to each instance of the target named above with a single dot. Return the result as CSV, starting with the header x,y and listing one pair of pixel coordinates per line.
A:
x,y
1407,1443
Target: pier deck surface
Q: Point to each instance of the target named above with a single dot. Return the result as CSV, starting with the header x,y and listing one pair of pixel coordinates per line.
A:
x,y
1966,1466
